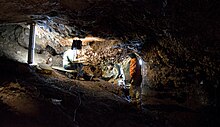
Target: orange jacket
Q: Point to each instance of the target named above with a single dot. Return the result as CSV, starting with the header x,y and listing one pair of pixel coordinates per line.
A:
x,y
135,71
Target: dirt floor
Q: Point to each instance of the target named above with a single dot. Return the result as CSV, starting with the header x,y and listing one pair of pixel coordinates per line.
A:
x,y
31,99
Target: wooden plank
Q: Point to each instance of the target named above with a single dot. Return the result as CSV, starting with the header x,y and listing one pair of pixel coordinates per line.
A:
x,y
63,69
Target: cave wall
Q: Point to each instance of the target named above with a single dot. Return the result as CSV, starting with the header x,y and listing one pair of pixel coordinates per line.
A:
x,y
53,42
182,52
14,41
13,38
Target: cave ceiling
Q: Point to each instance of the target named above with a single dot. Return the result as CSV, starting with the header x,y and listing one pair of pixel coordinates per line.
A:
x,y
96,17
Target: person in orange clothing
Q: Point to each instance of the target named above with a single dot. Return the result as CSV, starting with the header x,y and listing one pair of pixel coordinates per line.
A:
x,y
135,80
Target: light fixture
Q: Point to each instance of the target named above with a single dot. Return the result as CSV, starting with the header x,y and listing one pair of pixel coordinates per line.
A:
x,y
140,61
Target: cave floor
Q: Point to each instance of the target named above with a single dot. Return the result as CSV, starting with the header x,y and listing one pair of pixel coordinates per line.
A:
x,y
54,100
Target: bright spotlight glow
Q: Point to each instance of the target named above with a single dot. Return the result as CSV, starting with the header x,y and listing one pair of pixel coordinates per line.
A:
x,y
140,61
86,39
